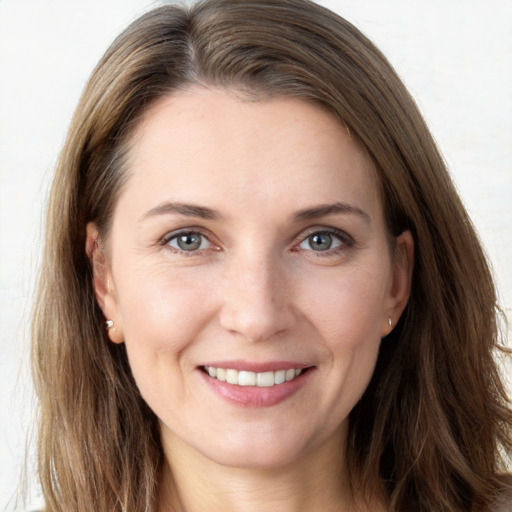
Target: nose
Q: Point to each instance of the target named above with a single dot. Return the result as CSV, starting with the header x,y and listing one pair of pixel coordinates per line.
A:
x,y
257,298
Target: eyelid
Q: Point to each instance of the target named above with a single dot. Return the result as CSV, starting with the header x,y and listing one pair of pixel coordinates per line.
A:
x,y
346,239
164,241
343,236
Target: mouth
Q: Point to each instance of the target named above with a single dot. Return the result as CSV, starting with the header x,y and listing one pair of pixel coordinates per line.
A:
x,y
255,385
244,378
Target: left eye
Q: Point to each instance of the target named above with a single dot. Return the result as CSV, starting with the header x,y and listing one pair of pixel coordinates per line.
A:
x,y
321,241
190,241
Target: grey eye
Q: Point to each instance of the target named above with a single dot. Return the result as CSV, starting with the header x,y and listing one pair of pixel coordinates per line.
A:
x,y
189,242
321,241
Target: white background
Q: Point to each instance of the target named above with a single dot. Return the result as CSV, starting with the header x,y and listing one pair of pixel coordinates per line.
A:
x,y
454,55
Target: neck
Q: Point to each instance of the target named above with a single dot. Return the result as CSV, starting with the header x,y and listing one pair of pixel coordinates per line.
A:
x,y
191,482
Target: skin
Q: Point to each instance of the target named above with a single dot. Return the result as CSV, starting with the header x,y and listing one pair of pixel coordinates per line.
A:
x,y
256,290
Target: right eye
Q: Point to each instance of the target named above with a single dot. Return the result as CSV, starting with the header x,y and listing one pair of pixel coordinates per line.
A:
x,y
189,241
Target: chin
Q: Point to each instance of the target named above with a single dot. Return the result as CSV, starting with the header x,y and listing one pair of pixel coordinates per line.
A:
x,y
260,451
256,458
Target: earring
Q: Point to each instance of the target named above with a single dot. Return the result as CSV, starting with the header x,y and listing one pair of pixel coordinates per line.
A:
x,y
109,324
390,322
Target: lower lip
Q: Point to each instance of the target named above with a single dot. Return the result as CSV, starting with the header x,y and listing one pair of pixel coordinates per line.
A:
x,y
253,396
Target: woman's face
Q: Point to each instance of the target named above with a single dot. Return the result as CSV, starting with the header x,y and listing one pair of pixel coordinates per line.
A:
x,y
249,275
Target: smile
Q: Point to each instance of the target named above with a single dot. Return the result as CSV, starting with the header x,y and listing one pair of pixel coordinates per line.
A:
x,y
246,378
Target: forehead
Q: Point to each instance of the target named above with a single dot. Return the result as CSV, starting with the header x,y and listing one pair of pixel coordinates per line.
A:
x,y
211,146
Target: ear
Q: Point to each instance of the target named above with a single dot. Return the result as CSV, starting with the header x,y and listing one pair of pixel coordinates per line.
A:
x,y
103,282
400,289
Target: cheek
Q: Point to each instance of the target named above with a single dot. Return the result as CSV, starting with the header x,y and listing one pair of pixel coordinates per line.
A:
x,y
163,315
162,312
347,307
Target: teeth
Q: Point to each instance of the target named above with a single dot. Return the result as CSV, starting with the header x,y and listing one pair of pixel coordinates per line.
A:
x,y
243,378
246,378
232,376
280,377
265,379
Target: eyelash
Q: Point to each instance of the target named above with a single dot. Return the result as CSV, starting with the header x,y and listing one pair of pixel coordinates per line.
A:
x,y
346,241
165,241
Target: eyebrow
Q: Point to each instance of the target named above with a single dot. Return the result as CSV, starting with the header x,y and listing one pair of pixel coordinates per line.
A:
x,y
189,210
331,209
203,212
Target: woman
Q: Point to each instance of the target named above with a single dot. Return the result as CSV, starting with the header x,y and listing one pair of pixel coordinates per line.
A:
x,y
260,289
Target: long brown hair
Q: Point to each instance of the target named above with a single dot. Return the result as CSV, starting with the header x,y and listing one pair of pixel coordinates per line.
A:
x,y
435,421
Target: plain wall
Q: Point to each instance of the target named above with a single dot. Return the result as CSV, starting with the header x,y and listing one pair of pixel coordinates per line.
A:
x,y
455,56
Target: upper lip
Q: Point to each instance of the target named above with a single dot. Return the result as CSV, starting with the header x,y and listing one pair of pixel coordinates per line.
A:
x,y
257,367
